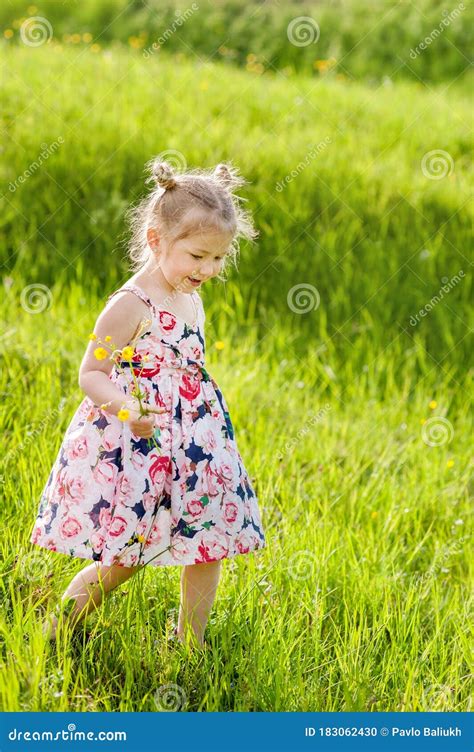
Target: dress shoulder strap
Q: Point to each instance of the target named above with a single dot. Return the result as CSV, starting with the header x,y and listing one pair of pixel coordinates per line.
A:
x,y
136,290
199,305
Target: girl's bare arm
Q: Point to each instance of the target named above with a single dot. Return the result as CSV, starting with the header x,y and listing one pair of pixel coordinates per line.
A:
x,y
120,320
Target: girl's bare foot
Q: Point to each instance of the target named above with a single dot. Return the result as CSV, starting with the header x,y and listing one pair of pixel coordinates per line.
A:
x,y
50,628
181,637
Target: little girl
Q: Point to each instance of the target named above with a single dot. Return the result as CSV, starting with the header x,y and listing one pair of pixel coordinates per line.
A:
x,y
149,471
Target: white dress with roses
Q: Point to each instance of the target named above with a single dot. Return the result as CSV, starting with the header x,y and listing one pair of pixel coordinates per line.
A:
x,y
183,497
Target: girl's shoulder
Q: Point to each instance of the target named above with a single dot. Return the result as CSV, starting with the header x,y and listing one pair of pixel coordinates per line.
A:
x,y
132,294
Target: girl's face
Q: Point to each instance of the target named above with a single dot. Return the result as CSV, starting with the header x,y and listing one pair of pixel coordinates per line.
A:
x,y
191,261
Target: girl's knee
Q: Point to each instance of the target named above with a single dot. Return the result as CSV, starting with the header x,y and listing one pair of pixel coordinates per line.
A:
x,y
116,572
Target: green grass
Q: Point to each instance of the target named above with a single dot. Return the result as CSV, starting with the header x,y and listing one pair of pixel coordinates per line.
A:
x,y
361,599
360,221
362,39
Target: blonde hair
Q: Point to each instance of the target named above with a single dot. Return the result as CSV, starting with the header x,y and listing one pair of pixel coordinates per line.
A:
x,y
175,196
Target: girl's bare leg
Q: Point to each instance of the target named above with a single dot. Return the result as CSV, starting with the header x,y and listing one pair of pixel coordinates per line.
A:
x,y
198,589
87,589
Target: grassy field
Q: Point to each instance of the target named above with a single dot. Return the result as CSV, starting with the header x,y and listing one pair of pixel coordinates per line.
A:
x,y
350,406
368,39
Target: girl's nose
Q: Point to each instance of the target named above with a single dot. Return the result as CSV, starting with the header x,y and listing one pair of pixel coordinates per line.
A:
x,y
207,269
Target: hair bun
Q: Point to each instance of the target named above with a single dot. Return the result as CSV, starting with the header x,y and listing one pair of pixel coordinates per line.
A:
x,y
163,174
228,176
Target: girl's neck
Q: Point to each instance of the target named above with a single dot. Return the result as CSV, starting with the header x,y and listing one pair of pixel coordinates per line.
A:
x,y
154,278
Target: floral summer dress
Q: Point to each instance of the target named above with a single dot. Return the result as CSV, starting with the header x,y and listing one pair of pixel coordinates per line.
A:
x,y
184,497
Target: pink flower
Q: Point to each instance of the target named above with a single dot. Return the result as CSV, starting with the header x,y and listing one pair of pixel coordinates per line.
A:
x,y
105,473
230,512
213,550
167,321
97,540
245,542
105,517
138,460
111,436
162,464
70,487
118,526
36,535
195,507
125,487
77,448
70,527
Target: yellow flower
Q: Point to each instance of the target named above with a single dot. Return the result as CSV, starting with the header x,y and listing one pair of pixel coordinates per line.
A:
x,y
92,336
219,345
433,404
108,338
450,463
127,353
123,414
100,353
374,515
8,33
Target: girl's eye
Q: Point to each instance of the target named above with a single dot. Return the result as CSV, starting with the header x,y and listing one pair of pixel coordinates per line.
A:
x,y
196,257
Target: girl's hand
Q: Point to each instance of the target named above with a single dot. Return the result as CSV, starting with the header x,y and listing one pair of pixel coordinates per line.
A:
x,y
140,425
